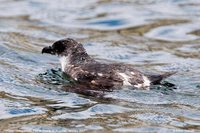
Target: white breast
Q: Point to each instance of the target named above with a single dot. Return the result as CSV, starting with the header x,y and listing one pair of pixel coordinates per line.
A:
x,y
64,61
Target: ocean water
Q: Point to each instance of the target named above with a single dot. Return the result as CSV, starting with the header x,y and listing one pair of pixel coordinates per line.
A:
x,y
152,35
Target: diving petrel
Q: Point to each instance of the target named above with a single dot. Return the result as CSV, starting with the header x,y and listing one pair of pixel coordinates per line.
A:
x,y
84,70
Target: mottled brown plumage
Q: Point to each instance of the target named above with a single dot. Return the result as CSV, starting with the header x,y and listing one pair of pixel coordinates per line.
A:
x,y
95,75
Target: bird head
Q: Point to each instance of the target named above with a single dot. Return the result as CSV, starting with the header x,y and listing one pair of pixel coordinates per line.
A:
x,y
62,47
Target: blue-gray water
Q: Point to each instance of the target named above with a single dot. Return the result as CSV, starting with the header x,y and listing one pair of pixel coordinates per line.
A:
x,y
152,35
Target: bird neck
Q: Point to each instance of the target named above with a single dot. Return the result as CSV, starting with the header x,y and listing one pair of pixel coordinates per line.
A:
x,y
74,58
79,57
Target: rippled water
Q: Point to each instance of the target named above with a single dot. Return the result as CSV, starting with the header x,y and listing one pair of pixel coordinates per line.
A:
x,y
153,35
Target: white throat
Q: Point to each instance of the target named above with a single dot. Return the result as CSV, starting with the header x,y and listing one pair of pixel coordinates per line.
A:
x,y
64,61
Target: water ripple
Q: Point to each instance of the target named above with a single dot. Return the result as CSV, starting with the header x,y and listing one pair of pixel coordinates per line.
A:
x,y
154,36
93,111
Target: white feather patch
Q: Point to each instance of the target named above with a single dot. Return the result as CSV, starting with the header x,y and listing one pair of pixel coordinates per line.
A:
x,y
138,85
146,82
132,73
100,74
126,79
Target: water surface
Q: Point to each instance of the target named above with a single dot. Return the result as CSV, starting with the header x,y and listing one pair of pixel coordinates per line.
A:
x,y
152,35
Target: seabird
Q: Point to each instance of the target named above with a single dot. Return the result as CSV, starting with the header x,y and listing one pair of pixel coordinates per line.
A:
x,y
94,75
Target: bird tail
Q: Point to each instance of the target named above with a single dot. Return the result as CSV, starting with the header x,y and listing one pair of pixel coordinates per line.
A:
x,y
156,79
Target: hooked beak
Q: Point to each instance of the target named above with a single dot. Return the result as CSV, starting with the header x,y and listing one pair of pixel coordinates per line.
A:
x,y
48,50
